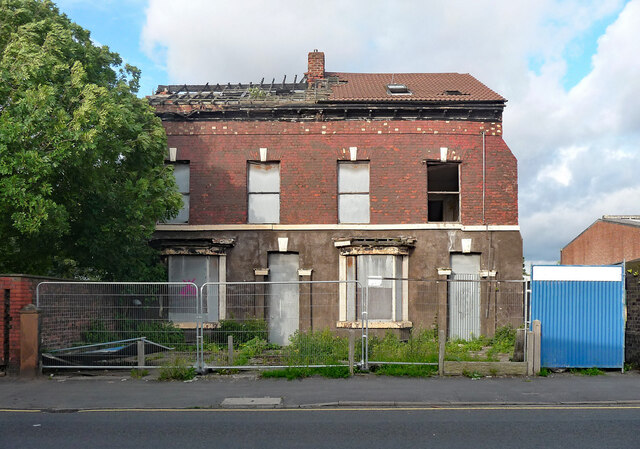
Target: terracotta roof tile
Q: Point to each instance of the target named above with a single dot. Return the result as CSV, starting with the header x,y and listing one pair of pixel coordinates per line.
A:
x,y
423,87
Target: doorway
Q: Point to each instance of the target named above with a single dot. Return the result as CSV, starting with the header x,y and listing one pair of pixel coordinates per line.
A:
x,y
464,297
283,301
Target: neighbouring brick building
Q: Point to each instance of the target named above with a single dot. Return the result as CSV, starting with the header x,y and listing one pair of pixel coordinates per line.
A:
x,y
18,290
609,240
339,176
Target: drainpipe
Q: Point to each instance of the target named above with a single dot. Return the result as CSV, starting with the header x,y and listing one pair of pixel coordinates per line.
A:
x,y
484,172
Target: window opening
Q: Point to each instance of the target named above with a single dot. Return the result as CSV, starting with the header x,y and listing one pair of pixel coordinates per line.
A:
x,y
353,192
443,191
385,300
263,189
181,173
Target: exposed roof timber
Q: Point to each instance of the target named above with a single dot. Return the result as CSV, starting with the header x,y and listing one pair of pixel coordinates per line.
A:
x,y
176,89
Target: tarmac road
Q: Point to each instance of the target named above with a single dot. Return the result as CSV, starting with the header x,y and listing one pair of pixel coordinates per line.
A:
x,y
457,427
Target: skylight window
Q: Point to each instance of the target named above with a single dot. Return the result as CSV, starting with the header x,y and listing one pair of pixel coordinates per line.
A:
x,y
398,89
453,92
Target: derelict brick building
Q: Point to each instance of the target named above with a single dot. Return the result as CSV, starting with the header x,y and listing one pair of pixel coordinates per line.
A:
x,y
340,176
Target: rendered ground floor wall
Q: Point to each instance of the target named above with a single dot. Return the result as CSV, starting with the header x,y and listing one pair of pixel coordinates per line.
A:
x,y
428,254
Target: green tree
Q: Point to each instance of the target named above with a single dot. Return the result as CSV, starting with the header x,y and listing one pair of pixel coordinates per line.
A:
x,y
82,178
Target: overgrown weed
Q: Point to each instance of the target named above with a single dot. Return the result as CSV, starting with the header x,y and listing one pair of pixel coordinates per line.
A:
x,y
180,370
333,372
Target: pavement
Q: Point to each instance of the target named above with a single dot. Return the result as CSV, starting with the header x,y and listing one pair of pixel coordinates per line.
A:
x,y
68,392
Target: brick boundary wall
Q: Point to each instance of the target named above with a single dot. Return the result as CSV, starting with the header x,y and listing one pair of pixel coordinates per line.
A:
x,y
632,328
21,290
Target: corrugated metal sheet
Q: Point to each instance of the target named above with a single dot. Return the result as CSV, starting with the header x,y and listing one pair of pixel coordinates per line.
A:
x,y
582,320
464,306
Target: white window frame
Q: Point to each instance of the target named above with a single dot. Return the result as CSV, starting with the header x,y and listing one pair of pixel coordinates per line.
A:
x,y
184,192
347,309
344,192
209,317
253,195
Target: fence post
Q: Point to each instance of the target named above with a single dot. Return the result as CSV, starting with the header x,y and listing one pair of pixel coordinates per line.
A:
x,y
352,347
230,344
29,341
530,344
442,339
141,357
536,346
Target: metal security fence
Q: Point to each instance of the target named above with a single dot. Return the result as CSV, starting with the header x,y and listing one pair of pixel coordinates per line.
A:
x,y
249,325
479,318
117,324
252,325
412,337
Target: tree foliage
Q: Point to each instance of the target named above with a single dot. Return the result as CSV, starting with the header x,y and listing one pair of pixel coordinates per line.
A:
x,y
82,179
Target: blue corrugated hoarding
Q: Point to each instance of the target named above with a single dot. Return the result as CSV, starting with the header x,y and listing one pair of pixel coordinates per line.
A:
x,y
581,311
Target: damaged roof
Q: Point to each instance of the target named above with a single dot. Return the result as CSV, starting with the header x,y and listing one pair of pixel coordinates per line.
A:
x,y
323,95
337,87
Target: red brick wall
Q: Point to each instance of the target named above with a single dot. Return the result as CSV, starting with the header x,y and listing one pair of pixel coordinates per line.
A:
x,y
308,153
603,243
22,291
315,66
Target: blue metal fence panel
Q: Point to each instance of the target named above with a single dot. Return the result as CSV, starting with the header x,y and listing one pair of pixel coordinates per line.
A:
x,y
582,320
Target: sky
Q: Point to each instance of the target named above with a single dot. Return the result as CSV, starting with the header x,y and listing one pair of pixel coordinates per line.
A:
x,y
569,69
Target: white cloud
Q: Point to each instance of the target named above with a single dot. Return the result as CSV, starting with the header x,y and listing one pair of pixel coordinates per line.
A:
x,y
560,171
583,140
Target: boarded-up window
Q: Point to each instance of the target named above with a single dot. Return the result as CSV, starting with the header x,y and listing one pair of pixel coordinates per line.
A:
x,y
443,191
385,299
263,187
181,173
353,192
197,270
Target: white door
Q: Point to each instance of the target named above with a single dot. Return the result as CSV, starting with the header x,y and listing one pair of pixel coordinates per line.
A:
x,y
464,296
283,300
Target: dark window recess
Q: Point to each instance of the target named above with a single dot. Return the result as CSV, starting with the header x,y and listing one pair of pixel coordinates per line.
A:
x,y
443,191
453,92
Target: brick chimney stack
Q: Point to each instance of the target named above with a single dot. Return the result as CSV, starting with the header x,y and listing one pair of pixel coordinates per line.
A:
x,y
316,66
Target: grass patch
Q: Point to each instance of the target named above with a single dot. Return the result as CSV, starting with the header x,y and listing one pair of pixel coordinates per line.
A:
x,y
139,373
406,370
503,342
333,372
544,372
316,348
587,371
242,331
252,348
421,347
178,371
472,374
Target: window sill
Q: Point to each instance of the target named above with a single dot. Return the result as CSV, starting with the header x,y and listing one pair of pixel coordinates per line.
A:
x,y
375,324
